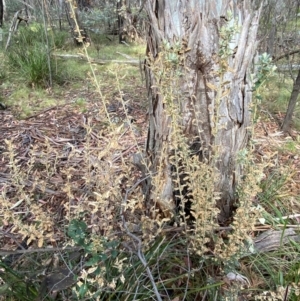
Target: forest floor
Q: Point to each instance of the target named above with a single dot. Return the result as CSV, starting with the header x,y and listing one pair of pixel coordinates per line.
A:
x,y
60,128
63,127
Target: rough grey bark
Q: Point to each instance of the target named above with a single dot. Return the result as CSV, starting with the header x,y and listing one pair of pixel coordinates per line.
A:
x,y
198,23
292,103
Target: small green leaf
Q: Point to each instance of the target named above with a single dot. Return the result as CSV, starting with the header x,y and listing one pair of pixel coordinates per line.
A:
x,y
93,260
82,290
77,231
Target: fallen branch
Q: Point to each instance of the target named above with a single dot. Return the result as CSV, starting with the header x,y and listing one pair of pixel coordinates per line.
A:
x,y
285,55
44,111
292,67
95,61
126,56
272,240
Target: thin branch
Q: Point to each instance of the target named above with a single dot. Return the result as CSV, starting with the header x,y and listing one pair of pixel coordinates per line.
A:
x,y
288,217
286,54
141,8
42,250
140,253
26,4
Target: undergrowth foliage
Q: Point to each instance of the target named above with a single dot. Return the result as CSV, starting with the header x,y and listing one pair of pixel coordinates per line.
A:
x,y
109,246
29,56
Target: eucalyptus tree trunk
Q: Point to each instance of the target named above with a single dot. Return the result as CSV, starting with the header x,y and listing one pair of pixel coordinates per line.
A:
x,y
196,24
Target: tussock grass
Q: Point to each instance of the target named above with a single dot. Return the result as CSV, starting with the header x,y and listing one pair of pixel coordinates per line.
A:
x,y
78,82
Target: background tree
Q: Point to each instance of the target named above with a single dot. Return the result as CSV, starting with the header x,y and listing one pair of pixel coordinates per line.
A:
x,y
279,33
75,23
121,20
1,13
278,27
129,17
286,125
218,125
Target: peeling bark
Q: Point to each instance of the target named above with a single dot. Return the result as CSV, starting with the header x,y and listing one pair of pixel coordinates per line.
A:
x,y
197,24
